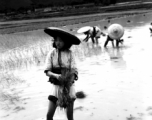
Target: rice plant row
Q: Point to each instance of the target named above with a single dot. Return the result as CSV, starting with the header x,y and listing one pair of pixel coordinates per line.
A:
x,y
25,56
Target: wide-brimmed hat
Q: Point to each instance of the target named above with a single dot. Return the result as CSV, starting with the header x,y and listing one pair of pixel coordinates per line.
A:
x,y
66,36
115,31
84,29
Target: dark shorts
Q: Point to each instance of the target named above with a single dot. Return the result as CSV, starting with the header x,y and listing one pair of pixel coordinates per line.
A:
x,y
54,99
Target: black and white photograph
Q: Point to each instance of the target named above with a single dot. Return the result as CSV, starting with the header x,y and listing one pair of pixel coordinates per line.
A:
x,y
75,59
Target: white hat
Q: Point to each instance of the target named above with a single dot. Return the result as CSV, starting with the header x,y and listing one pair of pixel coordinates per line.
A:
x,y
84,29
115,31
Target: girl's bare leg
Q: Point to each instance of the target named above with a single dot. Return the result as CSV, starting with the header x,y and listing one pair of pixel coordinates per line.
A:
x,y
51,110
69,111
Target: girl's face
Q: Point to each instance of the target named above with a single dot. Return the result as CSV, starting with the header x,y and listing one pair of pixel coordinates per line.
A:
x,y
59,43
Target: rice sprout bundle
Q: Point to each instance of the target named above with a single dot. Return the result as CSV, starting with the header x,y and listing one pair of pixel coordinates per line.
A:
x,y
66,81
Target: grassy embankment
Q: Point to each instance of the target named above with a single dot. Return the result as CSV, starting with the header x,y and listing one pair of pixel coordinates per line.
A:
x,y
62,18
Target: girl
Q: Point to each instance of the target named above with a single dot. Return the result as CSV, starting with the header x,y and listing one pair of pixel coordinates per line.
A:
x,y
58,59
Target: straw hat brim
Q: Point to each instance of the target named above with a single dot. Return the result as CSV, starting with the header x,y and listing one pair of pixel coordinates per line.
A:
x,y
66,36
115,31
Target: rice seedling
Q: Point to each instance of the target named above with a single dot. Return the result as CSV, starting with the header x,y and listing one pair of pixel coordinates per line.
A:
x,y
9,99
66,81
10,41
28,55
25,56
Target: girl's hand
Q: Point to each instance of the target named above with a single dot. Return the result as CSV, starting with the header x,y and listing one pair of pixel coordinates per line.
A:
x,y
53,75
57,76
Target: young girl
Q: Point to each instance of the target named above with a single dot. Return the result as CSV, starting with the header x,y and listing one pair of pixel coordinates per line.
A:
x,y
58,59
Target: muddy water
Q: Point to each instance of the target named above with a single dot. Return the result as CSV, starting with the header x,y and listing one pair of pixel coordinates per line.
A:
x,y
117,81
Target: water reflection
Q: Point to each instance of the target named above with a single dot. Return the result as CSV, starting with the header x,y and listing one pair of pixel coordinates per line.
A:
x,y
116,57
11,99
9,94
128,21
31,97
92,49
87,50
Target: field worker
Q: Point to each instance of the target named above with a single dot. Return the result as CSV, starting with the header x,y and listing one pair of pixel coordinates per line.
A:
x,y
97,33
94,33
88,35
150,28
115,32
58,60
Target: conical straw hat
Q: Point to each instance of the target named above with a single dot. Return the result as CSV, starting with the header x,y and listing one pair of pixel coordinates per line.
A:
x,y
66,36
115,31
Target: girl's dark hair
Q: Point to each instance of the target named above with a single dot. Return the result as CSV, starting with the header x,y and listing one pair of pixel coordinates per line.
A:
x,y
67,45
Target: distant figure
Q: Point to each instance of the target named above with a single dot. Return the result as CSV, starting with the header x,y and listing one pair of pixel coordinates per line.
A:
x,y
115,32
116,58
88,35
150,28
94,33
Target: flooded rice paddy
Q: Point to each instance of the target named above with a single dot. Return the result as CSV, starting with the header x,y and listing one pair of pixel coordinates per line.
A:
x,y
117,82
